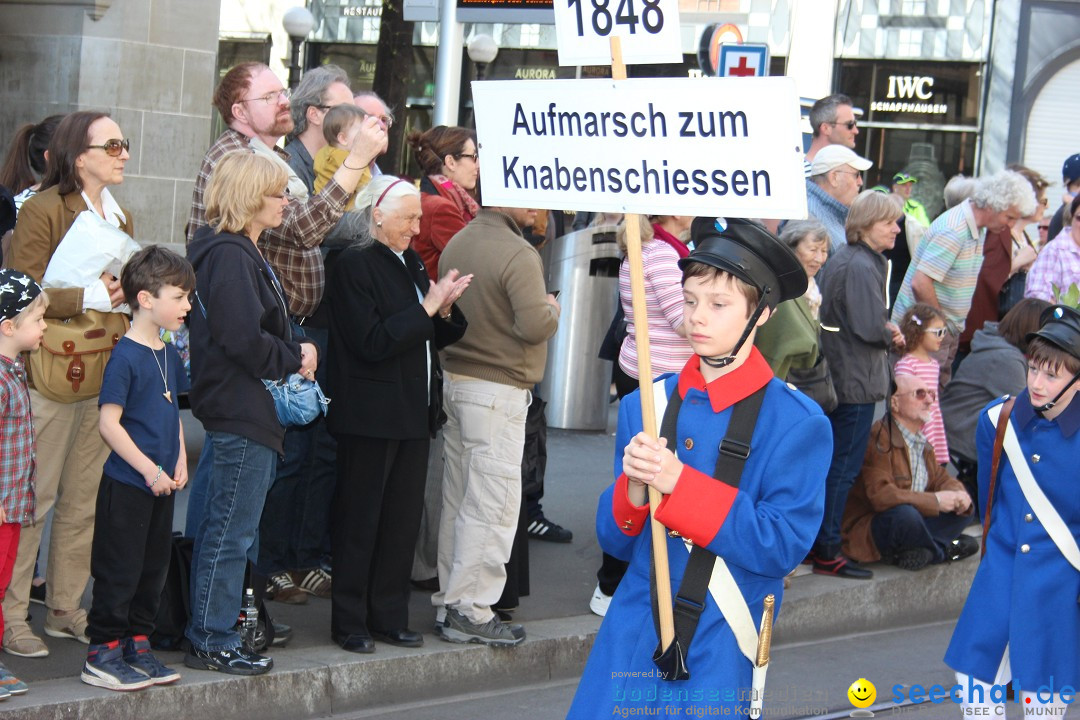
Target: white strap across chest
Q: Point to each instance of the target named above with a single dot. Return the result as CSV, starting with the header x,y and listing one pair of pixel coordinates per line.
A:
x,y
1055,527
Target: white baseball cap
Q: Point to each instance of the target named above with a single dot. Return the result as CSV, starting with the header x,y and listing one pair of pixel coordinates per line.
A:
x,y
831,157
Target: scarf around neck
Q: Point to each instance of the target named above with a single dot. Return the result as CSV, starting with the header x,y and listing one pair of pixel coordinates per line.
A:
x,y
457,194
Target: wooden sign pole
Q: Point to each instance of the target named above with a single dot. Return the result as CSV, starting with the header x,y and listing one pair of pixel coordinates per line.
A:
x,y
648,405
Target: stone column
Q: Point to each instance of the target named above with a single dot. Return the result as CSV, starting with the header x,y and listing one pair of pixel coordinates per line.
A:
x,y
149,63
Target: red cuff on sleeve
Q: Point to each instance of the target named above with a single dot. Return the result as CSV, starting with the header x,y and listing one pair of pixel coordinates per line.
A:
x,y
629,518
698,507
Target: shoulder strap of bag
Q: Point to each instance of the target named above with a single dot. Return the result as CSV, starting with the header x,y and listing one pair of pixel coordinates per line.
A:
x,y
995,463
1046,512
706,571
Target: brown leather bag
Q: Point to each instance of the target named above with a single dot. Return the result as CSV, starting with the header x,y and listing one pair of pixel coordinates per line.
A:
x,y
995,463
70,364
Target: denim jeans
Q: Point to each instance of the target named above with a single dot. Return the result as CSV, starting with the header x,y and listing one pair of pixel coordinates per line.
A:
x,y
851,433
196,489
239,477
903,528
293,532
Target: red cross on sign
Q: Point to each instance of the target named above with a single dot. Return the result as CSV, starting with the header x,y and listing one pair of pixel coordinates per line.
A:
x,y
743,60
742,69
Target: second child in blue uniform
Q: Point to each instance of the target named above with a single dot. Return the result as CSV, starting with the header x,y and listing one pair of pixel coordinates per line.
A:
x,y
140,422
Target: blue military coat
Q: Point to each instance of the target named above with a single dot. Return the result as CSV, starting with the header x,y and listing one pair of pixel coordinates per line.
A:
x,y
763,530
1025,593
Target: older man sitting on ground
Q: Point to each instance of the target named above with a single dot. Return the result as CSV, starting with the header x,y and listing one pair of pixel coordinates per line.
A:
x,y
905,508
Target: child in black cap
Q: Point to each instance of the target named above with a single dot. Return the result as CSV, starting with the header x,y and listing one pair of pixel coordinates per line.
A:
x,y
22,325
1021,620
739,519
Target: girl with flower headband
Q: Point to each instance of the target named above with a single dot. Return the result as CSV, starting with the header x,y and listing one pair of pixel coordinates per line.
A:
x,y
923,328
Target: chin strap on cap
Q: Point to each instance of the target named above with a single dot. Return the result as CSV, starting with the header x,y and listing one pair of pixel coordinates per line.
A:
x,y
724,362
1043,408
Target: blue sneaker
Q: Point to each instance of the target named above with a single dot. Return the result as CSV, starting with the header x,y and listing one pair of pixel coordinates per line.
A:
x,y
11,684
105,667
137,654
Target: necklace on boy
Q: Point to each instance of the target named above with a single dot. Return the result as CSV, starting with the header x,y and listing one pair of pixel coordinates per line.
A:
x,y
164,371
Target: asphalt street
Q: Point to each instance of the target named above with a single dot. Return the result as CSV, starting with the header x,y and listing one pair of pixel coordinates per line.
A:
x,y
815,676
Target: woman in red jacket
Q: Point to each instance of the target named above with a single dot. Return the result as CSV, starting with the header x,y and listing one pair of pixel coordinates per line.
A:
x,y
449,160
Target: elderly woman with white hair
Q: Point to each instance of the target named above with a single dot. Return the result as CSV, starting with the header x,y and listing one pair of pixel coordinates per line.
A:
x,y
946,265
387,322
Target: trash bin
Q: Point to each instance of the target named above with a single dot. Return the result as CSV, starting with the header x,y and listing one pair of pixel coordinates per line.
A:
x,y
584,267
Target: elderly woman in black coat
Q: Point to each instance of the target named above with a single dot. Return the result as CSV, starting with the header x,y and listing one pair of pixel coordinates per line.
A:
x,y
388,320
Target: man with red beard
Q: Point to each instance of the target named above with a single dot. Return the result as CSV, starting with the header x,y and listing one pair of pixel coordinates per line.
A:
x,y
255,106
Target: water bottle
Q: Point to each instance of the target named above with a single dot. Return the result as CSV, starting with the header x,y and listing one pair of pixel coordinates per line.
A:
x,y
249,619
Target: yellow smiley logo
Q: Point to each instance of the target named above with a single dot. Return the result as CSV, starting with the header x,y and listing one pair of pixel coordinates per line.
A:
x,y
862,693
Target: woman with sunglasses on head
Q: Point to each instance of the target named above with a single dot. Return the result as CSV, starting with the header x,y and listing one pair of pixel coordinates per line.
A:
x,y
451,165
87,155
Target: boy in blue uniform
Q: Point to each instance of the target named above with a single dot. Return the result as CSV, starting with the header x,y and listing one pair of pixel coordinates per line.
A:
x,y
1021,621
140,421
761,525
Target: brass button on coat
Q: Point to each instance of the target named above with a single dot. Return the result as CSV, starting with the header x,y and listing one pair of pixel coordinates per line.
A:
x,y
689,443
1025,548
1035,458
1028,518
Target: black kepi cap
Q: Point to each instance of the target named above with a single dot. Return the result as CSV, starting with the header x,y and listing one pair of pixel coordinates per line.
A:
x,y
1060,325
751,253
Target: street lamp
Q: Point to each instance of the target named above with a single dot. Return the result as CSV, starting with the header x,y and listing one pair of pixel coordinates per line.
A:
x,y
298,23
482,50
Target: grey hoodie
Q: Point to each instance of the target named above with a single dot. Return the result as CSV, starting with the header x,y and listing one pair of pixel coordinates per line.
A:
x,y
994,368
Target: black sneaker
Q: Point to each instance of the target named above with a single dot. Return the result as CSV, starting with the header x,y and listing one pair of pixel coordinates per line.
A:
x,y
237,661
913,558
459,629
840,566
37,593
544,529
962,547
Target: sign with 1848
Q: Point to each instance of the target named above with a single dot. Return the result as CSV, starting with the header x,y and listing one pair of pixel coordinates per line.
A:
x,y
648,29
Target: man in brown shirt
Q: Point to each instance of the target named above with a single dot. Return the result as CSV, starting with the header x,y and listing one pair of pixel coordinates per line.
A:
x,y
905,508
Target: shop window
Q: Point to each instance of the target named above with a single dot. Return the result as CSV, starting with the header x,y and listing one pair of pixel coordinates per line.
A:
x,y
369,30
530,35
910,42
916,8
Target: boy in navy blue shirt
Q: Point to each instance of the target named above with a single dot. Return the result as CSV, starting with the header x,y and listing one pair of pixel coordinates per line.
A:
x,y
140,422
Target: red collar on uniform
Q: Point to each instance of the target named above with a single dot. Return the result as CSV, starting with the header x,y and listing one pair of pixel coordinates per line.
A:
x,y
725,391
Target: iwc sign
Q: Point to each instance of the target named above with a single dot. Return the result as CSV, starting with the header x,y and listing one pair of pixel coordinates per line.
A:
x,y
910,94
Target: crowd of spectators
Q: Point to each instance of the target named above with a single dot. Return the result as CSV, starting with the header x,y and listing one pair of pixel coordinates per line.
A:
x,y
419,307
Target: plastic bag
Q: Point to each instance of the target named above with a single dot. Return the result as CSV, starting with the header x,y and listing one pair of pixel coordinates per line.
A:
x,y
90,247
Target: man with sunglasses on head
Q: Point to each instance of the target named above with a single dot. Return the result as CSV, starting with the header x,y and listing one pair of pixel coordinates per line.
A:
x,y
904,508
833,121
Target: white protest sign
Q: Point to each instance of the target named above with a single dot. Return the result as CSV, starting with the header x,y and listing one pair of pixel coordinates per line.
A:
x,y
656,146
648,29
